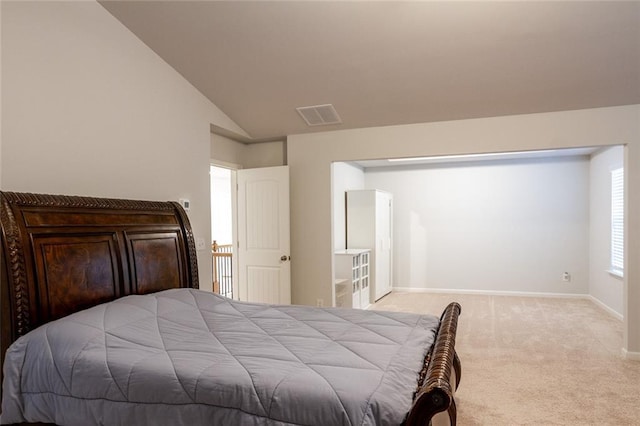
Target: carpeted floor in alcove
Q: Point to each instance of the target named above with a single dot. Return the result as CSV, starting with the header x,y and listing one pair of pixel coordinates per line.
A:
x,y
535,361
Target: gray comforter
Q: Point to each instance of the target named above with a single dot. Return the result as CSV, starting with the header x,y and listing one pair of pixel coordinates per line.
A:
x,y
188,357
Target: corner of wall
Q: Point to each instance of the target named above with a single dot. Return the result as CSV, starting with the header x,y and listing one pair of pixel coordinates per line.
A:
x,y
226,150
344,177
604,288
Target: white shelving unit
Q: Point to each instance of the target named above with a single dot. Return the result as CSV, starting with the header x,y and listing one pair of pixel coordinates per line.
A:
x,y
353,278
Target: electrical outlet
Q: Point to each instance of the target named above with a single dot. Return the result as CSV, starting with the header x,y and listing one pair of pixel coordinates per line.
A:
x,y
566,277
200,244
319,303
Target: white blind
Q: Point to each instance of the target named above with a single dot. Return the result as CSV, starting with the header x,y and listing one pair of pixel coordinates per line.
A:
x,y
617,220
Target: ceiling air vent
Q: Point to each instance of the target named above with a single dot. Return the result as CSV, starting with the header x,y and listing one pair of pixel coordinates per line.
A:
x,y
319,115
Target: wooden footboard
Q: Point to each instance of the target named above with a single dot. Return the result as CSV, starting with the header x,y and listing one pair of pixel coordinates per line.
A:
x,y
440,376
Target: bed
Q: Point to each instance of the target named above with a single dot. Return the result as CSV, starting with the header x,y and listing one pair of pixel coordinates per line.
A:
x,y
103,323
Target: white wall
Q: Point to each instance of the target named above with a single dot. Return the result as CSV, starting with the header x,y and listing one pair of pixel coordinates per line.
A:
x,y
1,130
310,157
88,109
631,292
508,226
265,154
345,177
225,150
247,156
605,287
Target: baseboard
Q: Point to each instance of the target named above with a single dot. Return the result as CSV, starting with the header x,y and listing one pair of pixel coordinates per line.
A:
x,y
605,307
491,292
631,356
596,301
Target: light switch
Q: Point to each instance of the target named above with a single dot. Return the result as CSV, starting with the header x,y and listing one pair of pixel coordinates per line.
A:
x,y
186,204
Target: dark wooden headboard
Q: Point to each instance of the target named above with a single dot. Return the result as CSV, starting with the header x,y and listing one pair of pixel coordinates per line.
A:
x,y
61,254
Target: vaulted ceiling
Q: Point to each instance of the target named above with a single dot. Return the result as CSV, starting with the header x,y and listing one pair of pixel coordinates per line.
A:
x,y
393,62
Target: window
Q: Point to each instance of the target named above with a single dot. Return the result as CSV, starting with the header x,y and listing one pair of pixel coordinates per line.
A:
x,y
617,221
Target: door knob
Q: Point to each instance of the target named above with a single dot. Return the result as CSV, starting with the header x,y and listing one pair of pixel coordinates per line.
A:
x,y
284,258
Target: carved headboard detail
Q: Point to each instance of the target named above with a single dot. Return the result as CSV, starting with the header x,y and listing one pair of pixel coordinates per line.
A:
x,y
61,254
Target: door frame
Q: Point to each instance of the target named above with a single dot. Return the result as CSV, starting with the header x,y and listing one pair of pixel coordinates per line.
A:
x,y
234,221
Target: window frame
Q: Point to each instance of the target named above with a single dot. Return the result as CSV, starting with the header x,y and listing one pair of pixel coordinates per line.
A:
x,y
617,222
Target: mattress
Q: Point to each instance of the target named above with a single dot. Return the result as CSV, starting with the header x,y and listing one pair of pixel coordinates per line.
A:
x,y
189,357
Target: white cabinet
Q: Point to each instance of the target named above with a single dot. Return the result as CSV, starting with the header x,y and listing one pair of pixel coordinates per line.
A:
x,y
369,225
352,278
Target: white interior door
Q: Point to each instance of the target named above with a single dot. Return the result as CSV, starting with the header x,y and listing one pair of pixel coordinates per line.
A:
x,y
264,269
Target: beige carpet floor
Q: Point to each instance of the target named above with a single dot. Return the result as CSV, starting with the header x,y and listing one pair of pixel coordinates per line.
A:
x,y
536,361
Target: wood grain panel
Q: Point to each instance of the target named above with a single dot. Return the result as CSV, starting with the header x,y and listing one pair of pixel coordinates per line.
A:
x,y
76,271
157,261
58,218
